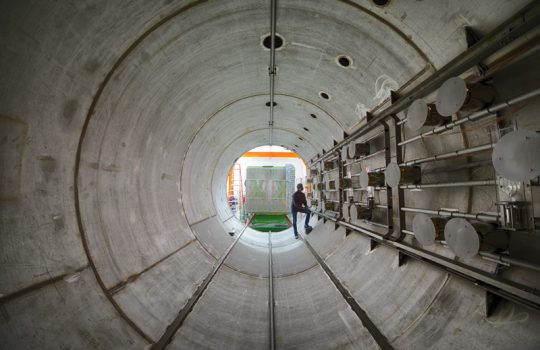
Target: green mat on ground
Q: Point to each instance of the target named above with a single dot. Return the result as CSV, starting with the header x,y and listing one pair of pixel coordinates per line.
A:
x,y
270,222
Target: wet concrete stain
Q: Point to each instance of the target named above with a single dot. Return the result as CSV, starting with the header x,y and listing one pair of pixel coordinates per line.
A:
x,y
70,110
48,166
58,221
92,66
111,167
165,176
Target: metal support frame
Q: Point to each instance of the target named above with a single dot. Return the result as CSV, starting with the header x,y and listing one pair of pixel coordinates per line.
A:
x,y
504,288
510,30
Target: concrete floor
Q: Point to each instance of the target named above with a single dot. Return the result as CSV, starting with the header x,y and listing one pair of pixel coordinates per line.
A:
x,y
119,122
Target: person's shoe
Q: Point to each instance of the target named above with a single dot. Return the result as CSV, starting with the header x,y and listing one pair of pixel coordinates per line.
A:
x,y
295,236
308,229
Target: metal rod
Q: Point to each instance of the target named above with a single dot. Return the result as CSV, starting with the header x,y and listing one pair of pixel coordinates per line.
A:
x,y
182,314
450,154
510,30
505,288
375,333
452,184
447,126
272,67
499,258
481,163
455,214
366,157
508,260
271,294
486,112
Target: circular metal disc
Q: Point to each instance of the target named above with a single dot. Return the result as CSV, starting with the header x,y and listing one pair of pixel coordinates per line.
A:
x,y
364,179
424,230
517,155
417,115
451,96
462,238
392,174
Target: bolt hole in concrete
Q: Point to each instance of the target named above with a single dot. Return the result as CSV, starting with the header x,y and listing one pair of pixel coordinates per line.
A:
x,y
324,95
313,116
260,186
273,104
267,41
306,129
344,61
381,3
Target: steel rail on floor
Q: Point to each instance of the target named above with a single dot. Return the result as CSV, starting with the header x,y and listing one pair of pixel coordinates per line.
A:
x,y
171,330
379,338
507,289
272,321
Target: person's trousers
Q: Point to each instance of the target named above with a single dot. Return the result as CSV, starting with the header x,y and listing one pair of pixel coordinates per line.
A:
x,y
294,217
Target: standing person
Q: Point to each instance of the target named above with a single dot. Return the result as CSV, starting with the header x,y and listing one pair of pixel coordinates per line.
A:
x,y
299,204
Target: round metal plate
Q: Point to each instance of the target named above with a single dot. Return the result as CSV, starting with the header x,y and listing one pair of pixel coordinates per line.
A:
x,y
364,179
392,174
424,230
417,115
462,238
451,96
517,155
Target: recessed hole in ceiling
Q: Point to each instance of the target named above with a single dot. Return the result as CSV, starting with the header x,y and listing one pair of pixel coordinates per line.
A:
x,y
306,129
267,41
344,61
381,2
301,139
324,95
296,146
313,116
268,104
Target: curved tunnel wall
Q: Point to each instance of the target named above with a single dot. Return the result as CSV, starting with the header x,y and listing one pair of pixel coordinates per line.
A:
x,y
160,99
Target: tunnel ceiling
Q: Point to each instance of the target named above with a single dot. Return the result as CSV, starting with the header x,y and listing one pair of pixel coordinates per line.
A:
x,y
120,122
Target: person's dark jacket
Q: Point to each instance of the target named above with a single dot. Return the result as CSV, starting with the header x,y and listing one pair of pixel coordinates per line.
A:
x,y
298,199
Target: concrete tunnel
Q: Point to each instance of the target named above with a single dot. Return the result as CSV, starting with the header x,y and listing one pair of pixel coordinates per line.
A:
x,y
120,120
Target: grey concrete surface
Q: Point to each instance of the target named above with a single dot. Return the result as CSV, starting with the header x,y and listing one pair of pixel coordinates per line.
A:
x,y
119,122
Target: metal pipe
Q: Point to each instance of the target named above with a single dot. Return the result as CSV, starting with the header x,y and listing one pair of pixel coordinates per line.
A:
x,y
499,258
510,30
505,288
452,184
271,294
449,154
456,214
481,163
447,126
272,67
486,112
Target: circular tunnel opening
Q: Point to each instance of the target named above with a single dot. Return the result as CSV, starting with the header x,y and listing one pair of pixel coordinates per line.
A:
x,y
260,186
